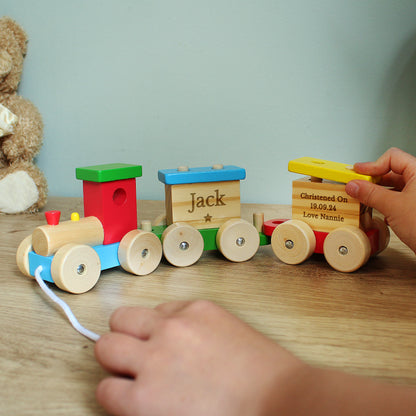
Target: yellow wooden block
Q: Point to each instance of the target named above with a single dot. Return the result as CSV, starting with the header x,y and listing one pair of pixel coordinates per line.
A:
x,y
333,171
324,206
203,205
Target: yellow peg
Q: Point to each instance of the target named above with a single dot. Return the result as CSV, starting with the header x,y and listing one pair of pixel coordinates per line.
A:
x,y
75,216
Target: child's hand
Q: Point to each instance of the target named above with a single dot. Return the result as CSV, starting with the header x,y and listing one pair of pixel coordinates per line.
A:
x,y
194,358
398,170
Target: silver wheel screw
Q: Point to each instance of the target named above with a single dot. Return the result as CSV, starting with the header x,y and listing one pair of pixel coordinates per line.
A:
x,y
343,250
184,245
240,241
289,244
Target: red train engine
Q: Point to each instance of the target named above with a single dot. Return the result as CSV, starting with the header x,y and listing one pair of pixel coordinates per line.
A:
x,y
73,253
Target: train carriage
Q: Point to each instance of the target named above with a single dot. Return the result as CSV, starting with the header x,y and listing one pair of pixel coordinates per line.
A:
x,y
204,202
326,220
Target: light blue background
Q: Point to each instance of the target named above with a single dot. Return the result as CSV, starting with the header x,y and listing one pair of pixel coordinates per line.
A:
x,y
251,83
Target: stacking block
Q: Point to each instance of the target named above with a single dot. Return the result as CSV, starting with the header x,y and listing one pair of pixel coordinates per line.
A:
x,y
106,253
36,260
114,204
202,197
324,206
215,173
47,239
203,205
324,169
108,172
110,195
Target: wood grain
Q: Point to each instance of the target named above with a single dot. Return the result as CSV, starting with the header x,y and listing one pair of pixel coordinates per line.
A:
x,y
363,322
325,206
203,205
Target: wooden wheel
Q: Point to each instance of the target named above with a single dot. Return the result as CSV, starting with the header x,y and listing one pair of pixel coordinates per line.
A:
x,y
383,233
140,252
347,248
182,244
293,241
22,255
238,240
76,268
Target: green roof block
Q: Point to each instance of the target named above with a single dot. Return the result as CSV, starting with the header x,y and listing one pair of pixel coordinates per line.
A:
x,y
108,172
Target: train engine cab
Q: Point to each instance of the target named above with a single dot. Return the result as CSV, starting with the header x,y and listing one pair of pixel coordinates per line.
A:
x,y
203,213
326,220
109,193
73,253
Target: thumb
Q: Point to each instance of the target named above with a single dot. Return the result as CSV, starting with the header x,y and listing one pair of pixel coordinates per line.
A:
x,y
370,194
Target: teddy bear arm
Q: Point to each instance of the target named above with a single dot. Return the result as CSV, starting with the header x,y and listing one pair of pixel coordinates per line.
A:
x,y
26,140
5,64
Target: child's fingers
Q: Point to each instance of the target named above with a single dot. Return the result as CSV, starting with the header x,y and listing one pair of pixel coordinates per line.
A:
x,y
142,322
135,321
394,159
119,353
393,180
114,394
170,308
372,195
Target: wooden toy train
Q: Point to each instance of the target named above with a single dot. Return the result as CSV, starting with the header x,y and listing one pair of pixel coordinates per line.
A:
x,y
202,213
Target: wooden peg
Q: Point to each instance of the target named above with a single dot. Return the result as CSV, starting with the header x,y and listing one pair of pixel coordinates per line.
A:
x,y
146,225
258,221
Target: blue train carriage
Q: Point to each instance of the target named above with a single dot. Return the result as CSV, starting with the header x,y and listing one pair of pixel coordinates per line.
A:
x,y
203,212
73,253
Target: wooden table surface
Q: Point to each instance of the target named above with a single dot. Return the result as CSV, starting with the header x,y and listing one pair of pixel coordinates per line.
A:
x,y
363,322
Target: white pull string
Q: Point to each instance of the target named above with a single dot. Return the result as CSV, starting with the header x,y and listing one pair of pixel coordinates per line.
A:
x,y
67,310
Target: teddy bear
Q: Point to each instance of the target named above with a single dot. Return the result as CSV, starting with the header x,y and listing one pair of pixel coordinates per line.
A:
x,y
23,187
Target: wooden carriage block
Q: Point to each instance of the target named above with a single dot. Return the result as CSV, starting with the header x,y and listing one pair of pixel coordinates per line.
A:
x,y
110,195
324,205
203,205
114,204
204,197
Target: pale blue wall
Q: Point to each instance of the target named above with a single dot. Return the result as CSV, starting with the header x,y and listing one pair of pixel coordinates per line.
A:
x,y
253,83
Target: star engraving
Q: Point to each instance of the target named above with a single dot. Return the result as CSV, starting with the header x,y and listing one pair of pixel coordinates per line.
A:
x,y
208,217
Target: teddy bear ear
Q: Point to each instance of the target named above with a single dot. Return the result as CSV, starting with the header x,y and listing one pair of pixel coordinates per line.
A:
x,y
7,23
